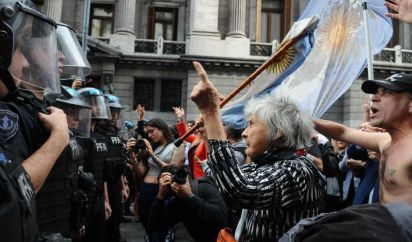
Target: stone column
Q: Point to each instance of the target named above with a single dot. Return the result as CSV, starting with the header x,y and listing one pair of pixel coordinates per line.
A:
x,y
124,32
237,20
53,9
125,17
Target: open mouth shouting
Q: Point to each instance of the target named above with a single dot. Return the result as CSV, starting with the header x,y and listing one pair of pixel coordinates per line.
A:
x,y
373,112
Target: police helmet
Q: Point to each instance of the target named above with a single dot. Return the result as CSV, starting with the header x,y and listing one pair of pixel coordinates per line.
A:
x,y
114,101
78,112
28,52
72,63
70,96
95,98
129,124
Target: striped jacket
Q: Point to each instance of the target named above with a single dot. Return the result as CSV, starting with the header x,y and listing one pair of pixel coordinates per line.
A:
x,y
278,189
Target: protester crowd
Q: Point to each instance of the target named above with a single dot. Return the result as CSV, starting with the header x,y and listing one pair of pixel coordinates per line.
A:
x,y
71,167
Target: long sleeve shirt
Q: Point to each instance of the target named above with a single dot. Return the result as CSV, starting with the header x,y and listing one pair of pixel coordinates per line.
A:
x,y
278,189
203,215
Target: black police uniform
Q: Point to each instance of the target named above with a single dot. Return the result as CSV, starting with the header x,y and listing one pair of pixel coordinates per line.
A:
x,y
98,150
53,199
114,169
84,193
61,204
17,215
31,135
17,203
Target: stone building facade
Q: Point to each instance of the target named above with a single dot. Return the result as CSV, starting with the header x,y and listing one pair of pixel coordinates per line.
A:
x,y
142,50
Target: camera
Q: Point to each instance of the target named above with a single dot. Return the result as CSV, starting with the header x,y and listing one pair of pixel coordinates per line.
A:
x,y
139,146
179,174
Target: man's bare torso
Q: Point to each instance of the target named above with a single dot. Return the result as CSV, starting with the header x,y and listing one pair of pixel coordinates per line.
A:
x,y
395,172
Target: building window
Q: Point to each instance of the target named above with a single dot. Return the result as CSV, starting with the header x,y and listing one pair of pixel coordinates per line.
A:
x,y
271,25
101,20
171,95
158,95
272,21
162,22
144,93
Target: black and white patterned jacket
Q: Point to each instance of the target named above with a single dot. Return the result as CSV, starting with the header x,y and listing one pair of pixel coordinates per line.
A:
x,y
278,189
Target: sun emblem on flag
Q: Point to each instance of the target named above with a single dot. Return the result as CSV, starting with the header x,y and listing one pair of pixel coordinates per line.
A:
x,y
281,63
339,27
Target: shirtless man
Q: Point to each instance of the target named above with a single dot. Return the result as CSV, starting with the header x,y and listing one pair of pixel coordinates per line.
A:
x,y
391,109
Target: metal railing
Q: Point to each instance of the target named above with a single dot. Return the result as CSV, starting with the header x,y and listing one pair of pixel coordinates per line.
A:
x,y
395,55
160,46
262,49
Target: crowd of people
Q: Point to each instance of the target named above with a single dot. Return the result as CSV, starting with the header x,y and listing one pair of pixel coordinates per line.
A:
x,y
71,166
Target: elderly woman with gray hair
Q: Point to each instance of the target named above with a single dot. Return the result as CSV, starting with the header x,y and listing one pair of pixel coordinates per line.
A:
x,y
278,188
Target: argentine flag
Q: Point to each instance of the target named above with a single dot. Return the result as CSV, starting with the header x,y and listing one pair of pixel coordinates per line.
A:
x,y
324,63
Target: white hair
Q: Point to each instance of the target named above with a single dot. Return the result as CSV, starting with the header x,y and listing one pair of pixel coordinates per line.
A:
x,y
281,114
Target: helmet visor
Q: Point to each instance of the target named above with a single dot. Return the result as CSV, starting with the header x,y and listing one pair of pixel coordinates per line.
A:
x,y
118,117
100,107
78,119
34,62
72,64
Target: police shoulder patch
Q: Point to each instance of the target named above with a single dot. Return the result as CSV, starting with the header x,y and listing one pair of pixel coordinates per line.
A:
x,y
9,124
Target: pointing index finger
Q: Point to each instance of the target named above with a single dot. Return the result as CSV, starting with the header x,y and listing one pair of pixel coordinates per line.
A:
x,y
200,71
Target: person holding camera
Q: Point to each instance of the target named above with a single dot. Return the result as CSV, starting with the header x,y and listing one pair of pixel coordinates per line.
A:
x,y
198,205
148,162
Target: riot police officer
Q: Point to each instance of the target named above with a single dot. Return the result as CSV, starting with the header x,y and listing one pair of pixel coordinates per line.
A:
x,y
82,184
32,134
115,164
62,204
73,65
55,199
98,151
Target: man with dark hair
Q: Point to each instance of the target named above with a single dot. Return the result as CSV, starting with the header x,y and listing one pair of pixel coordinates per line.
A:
x,y
391,109
190,123
234,136
198,205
